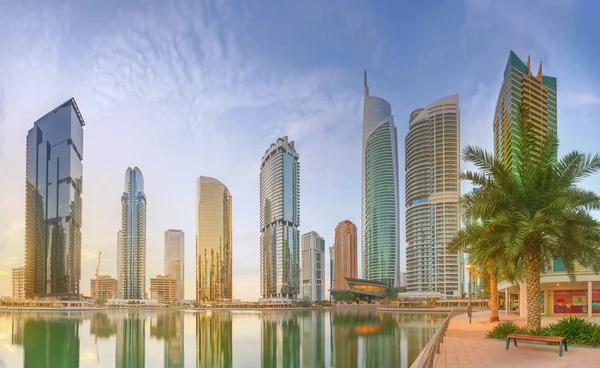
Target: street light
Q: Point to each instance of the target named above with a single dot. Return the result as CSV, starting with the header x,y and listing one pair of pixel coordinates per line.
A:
x,y
469,268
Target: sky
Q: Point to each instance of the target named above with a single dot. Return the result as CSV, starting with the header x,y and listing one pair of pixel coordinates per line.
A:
x,y
184,89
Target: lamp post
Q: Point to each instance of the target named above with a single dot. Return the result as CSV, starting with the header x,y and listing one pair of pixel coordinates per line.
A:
x,y
469,268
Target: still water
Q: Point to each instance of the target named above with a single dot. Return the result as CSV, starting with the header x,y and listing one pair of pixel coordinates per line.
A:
x,y
340,338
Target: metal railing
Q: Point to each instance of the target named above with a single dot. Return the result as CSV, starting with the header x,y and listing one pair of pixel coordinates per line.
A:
x,y
433,347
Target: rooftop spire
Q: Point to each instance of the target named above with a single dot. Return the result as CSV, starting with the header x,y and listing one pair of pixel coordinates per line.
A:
x,y
539,73
366,85
529,64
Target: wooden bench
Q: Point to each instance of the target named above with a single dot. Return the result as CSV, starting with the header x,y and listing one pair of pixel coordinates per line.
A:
x,y
562,341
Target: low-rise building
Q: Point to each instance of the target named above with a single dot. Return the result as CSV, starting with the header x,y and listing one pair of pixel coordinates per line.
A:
x,y
107,287
164,289
17,279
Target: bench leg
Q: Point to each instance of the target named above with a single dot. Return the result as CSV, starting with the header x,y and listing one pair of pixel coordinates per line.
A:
x,y
507,343
565,344
515,341
560,346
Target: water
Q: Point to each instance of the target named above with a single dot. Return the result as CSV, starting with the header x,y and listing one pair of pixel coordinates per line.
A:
x,y
130,338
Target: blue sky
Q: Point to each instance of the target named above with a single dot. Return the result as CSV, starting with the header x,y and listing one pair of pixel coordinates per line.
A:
x,y
183,89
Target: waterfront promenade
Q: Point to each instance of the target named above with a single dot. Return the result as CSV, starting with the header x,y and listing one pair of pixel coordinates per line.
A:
x,y
465,345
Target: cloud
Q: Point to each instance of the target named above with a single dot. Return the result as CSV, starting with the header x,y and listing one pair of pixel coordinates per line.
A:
x,y
581,99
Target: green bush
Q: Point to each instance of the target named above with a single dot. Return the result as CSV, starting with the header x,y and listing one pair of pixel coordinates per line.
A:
x,y
577,330
504,328
574,328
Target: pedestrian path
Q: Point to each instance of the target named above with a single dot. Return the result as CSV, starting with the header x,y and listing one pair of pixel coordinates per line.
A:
x,y
465,345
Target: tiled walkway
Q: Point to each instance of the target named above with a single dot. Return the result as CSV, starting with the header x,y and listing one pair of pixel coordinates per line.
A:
x,y
466,346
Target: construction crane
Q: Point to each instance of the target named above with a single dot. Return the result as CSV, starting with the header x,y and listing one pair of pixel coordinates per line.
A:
x,y
97,273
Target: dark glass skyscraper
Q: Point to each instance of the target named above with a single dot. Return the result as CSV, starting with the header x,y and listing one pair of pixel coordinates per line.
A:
x,y
53,189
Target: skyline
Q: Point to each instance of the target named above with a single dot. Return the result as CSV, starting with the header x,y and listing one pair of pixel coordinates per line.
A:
x,y
316,101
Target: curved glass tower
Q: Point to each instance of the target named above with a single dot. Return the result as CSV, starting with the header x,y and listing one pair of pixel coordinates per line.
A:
x,y
279,221
432,197
380,204
213,240
132,281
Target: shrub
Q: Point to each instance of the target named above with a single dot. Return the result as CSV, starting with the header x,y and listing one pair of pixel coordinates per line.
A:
x,y
574,328
592,336
504,328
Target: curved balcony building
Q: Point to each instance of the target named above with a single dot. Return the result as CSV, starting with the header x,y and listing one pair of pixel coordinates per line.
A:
x,y
380,203
279,221
213,241
432,197
132,280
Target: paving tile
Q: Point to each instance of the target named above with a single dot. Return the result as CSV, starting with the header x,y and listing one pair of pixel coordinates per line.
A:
x,y
465,345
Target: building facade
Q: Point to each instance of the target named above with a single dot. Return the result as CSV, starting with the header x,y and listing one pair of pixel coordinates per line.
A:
x,y
53,187
380,202
346,254
119,260
164,288
17,281
133,237
538,92
432,197
174,252
279,221
331,269
313,267
213,240
107,288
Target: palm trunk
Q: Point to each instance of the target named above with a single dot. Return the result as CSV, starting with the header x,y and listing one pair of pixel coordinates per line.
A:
x,y
493,301
531,264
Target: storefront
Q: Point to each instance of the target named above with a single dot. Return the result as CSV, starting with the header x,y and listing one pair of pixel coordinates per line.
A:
x,y
558,295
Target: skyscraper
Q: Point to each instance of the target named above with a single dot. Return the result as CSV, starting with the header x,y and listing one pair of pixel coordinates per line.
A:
x,y
53,186
174,248
279,221
331,269
536,92
119,261
432,197
346,254
213,240
380,204
313,266
133,236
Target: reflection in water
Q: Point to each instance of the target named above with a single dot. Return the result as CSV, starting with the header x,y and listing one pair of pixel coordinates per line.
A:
x,y
280,339
214,339
131,339
328,338
51,342
313,340
169,327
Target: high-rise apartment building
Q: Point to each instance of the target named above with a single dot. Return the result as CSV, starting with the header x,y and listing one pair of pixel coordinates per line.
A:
x,y
213,240
119,261
53,186
538,92
17,280
346,254
432,197
279,221
313,267
133,237
107,288
174,248
380,203
164,288
331,269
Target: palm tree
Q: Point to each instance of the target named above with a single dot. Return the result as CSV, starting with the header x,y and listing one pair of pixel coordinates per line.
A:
x,y
537,205
484,242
